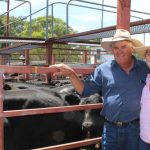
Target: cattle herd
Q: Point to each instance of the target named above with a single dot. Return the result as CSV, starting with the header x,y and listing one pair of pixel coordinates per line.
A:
x,y
35,131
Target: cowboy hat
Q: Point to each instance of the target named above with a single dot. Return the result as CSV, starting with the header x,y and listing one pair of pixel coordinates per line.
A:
x,y
141,50
120,35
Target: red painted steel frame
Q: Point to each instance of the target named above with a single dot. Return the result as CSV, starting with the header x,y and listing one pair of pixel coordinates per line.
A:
x,y
1,113
123,14
40,70
25,112
73,144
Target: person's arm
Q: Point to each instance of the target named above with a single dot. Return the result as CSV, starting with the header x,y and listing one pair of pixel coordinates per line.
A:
x,y
69,72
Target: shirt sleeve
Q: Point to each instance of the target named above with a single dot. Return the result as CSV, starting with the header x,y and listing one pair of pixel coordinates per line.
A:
x,y
93,83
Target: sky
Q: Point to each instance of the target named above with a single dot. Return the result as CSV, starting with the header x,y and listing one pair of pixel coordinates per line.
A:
x,y
79,18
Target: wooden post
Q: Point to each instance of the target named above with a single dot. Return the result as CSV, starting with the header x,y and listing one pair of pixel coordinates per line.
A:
x,y
123,14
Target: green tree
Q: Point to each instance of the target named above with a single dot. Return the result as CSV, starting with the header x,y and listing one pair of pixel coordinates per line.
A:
x,y
16,26
2,31
21,28
39,31
39,27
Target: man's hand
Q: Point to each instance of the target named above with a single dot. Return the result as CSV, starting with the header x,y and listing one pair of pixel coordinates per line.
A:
x,y
68,71
63,69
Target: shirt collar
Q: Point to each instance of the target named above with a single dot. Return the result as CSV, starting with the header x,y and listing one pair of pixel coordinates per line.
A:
x,y
136,63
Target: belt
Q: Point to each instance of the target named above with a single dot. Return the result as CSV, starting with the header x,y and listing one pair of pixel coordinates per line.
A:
x,y
119,123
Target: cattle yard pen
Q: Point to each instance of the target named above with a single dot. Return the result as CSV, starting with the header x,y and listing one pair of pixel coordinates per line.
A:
x,y
43,111
27,44
142,25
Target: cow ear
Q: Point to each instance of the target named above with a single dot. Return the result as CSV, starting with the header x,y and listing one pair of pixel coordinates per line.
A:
x,y
72,99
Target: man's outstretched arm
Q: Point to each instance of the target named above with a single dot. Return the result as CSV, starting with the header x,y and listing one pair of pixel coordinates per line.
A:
x,y
69,72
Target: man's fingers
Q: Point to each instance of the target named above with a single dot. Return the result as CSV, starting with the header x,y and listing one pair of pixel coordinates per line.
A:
x,y
64,69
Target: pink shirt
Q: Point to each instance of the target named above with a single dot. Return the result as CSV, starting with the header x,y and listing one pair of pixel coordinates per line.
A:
x,y
145,112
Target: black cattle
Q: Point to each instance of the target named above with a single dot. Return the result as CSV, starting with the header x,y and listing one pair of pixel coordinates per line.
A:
x,y
93,122
67,92
32,84
53,128
28,132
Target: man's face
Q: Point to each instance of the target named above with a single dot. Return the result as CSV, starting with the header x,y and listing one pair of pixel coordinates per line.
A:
x,y
122,51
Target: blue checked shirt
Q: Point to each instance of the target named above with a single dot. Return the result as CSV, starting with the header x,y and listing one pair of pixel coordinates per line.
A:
x,y
121,91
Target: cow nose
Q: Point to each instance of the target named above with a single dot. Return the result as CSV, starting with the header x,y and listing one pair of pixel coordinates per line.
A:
x,y
87,126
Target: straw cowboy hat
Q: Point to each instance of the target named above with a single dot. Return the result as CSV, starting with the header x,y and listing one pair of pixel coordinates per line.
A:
x,y
120,35
141,50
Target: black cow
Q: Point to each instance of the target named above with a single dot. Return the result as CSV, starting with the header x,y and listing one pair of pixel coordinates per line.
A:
x,y
93,122
29,132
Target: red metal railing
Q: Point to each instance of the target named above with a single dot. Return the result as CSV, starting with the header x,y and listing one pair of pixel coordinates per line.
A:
x,y
40,70
13,113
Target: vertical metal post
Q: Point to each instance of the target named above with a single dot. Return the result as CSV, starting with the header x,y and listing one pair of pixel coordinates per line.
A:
x,y
48,58
123,14
49,53
144,39
7,26
95,59
30,18
26,52
27,62
52,21
84,57
102,14
67,19
1,113
53,59
47,3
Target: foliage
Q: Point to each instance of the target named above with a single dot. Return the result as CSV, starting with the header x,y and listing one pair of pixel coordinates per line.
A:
x,y
38,31
39,27
2,31
21,28
16,26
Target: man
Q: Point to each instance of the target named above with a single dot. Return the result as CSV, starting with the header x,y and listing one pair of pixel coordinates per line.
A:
x,y
120,82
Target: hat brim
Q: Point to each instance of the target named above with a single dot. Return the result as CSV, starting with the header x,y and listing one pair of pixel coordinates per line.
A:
x,y
107,42
141,50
